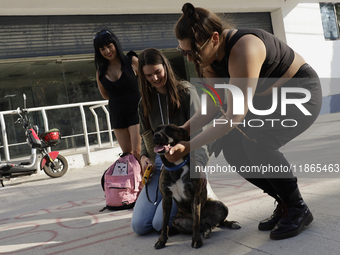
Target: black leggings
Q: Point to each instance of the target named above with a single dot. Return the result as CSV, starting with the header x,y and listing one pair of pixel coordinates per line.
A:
x,y
241,152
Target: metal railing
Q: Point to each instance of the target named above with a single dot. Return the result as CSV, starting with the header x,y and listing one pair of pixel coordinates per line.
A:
x,y
93,105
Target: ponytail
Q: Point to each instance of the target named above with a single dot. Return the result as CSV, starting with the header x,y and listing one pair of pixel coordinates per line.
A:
x,y
197,25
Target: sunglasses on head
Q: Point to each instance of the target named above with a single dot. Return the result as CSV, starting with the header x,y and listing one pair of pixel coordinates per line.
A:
x,y
189,52
101,33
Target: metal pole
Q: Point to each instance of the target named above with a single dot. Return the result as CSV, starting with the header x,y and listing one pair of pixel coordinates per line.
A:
x,y
4,137
43,113
108,124
97,126
87,144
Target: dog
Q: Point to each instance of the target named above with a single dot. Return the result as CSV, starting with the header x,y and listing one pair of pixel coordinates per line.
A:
x,y
197,211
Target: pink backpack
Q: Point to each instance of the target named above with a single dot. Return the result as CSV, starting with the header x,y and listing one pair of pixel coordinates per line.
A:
x,y
121,183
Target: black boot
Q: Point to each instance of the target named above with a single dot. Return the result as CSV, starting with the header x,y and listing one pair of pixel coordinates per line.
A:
x,y
269,223
294,220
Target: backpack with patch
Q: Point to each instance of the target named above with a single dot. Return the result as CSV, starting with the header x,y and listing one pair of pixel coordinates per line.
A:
x,y
121,183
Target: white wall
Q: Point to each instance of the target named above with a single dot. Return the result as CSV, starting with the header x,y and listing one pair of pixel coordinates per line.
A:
x,y
304,33
59,7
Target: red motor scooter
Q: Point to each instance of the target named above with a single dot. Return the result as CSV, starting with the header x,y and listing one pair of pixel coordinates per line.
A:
x,y
53,164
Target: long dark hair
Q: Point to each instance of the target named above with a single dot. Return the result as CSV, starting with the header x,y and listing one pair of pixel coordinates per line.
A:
x,y
103,38
152,56
197,25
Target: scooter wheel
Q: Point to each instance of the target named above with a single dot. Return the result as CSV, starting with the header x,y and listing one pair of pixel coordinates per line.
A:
x,y
59,169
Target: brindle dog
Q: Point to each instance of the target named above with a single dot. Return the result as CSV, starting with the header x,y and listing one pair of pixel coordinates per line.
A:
x,y
197,212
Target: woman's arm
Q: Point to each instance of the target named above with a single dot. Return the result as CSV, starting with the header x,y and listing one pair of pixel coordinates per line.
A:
x,y
201,154
133,58
144,159
134,64
102,91
245,61
198,121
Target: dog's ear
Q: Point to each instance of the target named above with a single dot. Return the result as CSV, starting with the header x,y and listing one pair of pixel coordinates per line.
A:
x,y
158,128
185,134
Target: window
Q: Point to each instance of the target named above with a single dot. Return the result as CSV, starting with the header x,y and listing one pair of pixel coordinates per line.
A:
x,y
330,15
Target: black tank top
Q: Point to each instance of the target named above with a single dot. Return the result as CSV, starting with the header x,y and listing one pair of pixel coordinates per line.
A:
x,y
279,57
127,82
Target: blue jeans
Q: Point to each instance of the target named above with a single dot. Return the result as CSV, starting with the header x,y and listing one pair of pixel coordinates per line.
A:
x,y
147,216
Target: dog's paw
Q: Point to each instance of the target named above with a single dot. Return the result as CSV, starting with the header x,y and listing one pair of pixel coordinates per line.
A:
x,y
232,224
207,233
197,243
159,245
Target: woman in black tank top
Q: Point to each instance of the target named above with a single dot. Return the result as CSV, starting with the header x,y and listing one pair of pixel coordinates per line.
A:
x,y
257,66
117,81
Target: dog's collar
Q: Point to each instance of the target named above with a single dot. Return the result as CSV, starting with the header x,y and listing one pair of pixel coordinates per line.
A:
x,y
174,168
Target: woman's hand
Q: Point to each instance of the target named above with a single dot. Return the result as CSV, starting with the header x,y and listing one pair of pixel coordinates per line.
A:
x,y
178,151
145,161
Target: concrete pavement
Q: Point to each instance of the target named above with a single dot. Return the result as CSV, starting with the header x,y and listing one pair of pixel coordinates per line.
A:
x,y
40,215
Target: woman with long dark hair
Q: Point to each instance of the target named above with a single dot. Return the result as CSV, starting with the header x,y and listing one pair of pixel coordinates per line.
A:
x,y
165,100
118,82
258,66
